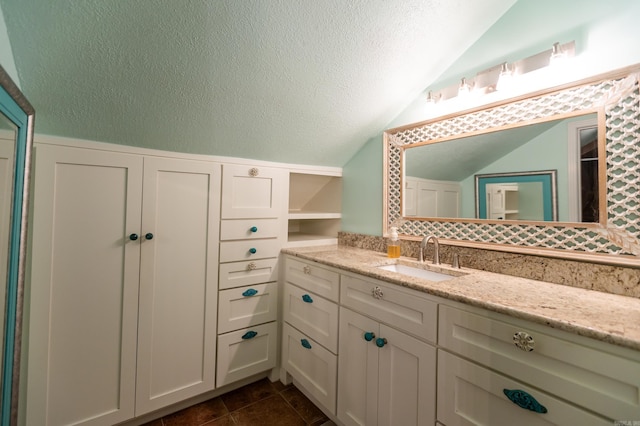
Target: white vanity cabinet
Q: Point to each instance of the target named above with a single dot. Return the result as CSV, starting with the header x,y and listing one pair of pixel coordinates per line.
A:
x,y
386,375
310,331
486,356
120,276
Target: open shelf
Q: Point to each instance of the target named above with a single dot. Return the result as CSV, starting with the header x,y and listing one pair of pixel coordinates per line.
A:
x,y
315,208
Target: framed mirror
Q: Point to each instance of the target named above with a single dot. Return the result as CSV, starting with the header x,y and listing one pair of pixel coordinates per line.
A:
x,y
16,138
587,133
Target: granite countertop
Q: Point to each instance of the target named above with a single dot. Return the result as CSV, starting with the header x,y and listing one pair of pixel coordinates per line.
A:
x,y
607,317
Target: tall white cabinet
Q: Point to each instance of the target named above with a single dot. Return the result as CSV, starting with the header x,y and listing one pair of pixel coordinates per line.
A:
x,y
122,299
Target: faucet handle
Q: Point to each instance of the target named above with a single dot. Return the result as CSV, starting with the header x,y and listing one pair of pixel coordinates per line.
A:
x,y
456,261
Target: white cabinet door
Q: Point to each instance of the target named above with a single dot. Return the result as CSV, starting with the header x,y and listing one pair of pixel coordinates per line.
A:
x,y
84,287
385,376
357,370
178,281
253,192
407,388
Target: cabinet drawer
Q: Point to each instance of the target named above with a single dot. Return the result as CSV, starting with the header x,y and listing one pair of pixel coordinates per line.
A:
x,y
472,395
238,274
404,309
314,367
247,229
232,251
313,315
310,276
246,352
246,306
588,373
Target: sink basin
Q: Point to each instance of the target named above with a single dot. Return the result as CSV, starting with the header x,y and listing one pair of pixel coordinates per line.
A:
x,y
416,272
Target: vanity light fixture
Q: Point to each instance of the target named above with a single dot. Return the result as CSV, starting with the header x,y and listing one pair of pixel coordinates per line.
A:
x,y
557,55
505,78
464,89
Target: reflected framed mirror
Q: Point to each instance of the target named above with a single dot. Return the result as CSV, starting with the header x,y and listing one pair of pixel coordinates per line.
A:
x,y
16,138
584,135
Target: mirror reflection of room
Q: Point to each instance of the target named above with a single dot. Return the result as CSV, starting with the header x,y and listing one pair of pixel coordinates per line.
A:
x,y
433,188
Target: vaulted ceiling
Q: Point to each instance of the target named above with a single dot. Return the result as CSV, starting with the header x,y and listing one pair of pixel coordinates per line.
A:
x,y
297,81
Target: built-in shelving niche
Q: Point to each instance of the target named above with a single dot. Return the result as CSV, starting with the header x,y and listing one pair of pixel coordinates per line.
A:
x,y
315,208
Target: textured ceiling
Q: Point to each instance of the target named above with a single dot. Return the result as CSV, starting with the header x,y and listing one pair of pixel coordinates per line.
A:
x,y
297,81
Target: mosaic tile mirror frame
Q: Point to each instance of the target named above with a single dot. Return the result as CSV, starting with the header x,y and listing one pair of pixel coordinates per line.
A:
x,y
614,239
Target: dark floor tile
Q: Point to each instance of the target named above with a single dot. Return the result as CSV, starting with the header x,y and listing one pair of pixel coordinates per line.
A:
x,y
222,421
246,395
279,386
272,411
157,422
303,406
198,414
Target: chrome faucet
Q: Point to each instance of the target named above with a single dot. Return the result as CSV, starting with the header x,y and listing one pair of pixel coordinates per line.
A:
x,y
436,249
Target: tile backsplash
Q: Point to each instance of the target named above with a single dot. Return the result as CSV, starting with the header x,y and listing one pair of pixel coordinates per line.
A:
x,y
606,278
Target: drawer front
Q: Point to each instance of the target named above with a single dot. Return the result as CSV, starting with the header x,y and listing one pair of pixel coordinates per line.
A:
x,y
472,395
246,306
239,274
248,229
242,353
587,375
314,367
310,276
233,251
311,314
401,308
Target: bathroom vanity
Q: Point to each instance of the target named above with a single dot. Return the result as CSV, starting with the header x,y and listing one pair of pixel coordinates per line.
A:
x,y
478,348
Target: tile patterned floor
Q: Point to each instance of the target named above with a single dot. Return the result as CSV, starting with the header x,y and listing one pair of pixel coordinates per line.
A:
x,y
261,403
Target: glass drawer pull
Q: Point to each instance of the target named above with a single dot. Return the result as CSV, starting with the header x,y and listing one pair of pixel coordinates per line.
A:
x,y
306,298
305,343
524,341
254,229
250,292
524,400
249,335
253,250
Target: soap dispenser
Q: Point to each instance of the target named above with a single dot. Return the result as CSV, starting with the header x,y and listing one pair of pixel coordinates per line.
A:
x,y
393,245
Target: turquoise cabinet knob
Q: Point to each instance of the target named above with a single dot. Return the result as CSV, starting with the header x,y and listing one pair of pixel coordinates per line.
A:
x,y
133,237
253,250
380,342
148,236
524,400
307,299
305,343
249,335
369,336
254,229
250,292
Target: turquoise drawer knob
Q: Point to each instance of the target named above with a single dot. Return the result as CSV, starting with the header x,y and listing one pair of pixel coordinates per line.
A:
x,y
380,342
306,298
369,336
133,237
305,343
254,229
524,400
252,250
249,335
250,292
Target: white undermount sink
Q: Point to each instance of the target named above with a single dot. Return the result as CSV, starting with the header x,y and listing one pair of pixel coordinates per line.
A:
x,y
417,272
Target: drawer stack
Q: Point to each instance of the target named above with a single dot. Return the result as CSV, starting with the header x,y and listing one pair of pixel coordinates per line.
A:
x,y
247,299
571,378
310,331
